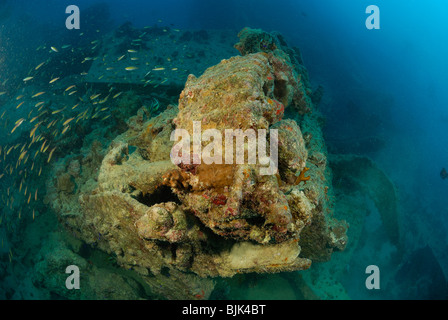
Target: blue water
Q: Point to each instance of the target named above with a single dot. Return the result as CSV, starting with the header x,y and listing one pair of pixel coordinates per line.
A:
x,y
388,84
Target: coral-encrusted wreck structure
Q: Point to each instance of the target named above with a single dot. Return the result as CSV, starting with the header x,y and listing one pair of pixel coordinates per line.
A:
x,y
181,225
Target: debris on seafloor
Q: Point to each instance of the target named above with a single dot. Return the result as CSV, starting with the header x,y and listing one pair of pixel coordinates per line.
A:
x,y
179,226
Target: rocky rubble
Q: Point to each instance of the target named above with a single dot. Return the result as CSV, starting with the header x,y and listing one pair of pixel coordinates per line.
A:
x,y
180,225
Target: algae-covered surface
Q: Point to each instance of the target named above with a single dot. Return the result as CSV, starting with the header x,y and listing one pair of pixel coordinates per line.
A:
x,y
160,162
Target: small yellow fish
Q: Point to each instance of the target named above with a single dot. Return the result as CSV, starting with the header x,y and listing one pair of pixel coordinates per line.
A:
x,y
121,57
104,100
38,94
93,97
40,65
57,111
132,50
54,49
131,68
51,153
20,104
22,155
53,80
27,79
50,124
67,121
71,87
117,95
65,129
33,131
95,115
18,123
158,69
2,93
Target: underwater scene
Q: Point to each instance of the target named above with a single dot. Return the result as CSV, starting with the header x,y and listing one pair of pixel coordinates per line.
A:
x,y
223,150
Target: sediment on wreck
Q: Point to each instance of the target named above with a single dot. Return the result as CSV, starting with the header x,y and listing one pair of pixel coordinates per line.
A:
x,y
179,226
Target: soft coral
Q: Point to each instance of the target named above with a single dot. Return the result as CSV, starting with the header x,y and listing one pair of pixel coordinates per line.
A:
x,y
302,177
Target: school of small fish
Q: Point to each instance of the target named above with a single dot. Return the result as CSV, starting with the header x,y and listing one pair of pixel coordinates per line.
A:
x,y
47,107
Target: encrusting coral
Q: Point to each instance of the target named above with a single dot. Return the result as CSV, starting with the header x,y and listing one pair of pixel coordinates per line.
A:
x,y
179,225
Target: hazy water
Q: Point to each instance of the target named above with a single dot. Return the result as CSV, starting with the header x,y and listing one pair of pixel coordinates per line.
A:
x,y
388,83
